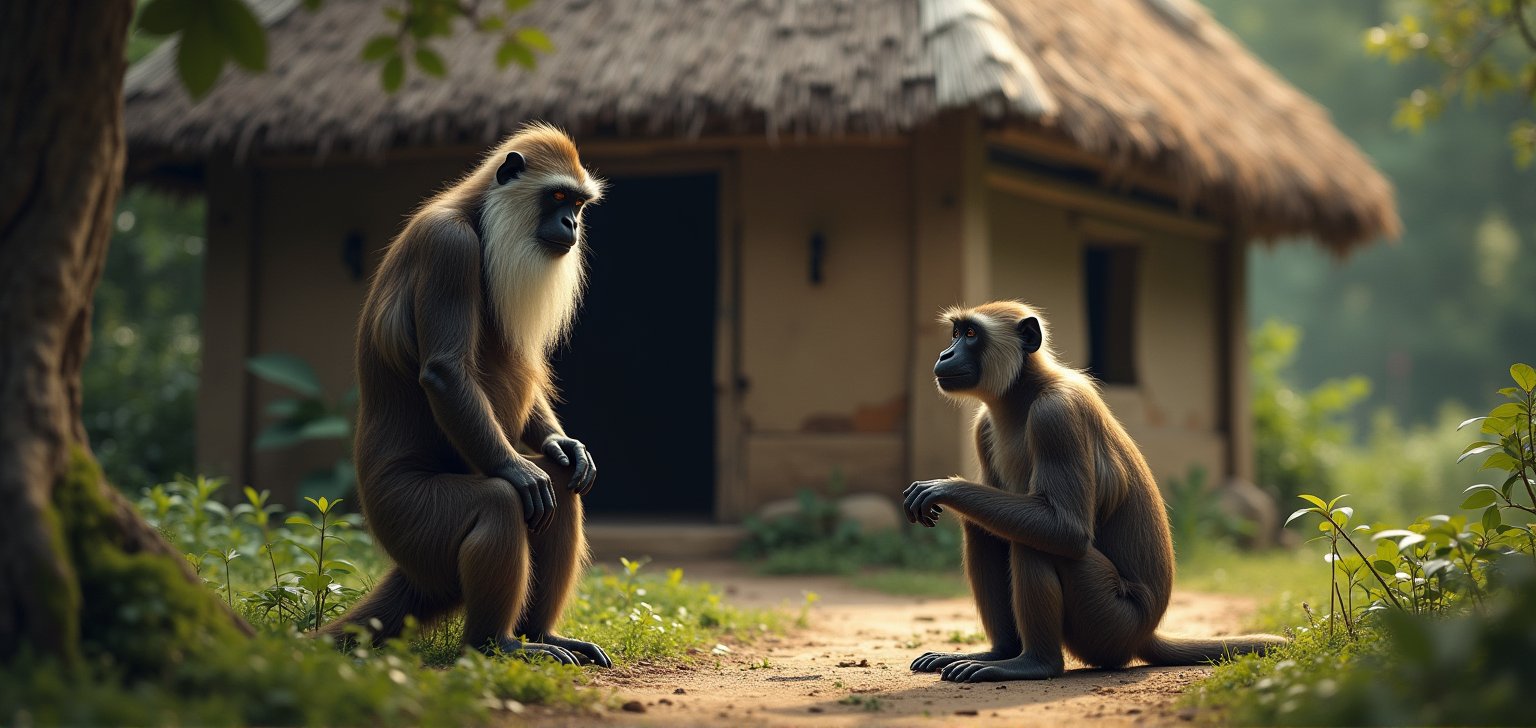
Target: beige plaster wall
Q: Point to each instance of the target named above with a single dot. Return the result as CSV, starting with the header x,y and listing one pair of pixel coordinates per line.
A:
x,y
825,365
1173,409
305,298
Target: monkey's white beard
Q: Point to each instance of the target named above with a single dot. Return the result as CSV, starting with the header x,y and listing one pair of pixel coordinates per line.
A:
x,y
535,294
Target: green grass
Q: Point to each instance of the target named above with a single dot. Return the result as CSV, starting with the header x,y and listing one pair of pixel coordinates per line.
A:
x,y
1280,579
283,677
913,582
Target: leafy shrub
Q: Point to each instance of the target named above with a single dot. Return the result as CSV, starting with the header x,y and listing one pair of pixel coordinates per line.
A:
x,y
1196,517
817,540
1423,625
308,417
1296,432
139,382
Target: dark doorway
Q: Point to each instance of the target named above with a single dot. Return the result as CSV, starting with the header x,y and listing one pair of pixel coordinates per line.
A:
x,y
639,373
1110,275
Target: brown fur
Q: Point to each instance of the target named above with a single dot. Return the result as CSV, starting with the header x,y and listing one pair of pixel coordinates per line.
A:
x,y
454,387
1067,541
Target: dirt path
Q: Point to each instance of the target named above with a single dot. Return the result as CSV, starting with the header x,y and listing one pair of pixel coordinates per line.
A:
x,y
849,668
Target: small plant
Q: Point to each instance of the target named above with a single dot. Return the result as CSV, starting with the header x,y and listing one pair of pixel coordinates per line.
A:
x,y
321,577
957,637
867,702
804,618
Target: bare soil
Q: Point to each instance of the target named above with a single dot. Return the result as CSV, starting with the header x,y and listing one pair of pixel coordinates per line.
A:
x,y
849,667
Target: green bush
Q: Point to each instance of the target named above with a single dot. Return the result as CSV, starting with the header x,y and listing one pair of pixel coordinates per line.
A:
x,y
139,382
1426,624
817,540
1297,434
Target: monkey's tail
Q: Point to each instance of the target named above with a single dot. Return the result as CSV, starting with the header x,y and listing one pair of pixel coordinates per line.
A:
x,y
1160,650
382,612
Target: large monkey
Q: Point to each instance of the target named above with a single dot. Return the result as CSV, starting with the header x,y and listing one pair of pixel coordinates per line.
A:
x,y
1066,542
455,387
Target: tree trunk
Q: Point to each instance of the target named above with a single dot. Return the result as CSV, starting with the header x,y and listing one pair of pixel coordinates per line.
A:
x,y
61,142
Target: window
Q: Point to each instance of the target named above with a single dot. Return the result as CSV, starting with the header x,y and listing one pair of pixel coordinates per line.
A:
x,y
1109,279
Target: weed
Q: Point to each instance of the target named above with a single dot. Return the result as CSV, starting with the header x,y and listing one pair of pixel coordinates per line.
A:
x,y
869,703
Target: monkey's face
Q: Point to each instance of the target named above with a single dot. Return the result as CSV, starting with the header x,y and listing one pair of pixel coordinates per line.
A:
x,y
542,202
958,369
559,226
987,351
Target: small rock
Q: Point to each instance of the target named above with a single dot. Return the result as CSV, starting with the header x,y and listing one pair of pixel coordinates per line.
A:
x,y
1186,714
873,512
679,691
665,701
815,709
775,510
634,706
968,711
851,663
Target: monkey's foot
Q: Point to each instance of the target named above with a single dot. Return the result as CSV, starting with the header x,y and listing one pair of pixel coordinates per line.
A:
x,y
1023,667
586,652
936,661
529,650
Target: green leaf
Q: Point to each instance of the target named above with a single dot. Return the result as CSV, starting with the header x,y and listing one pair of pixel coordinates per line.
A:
x,y
326,428
1478,499
1508,409
1298,514
1524,376
1314,500
1383,566
200,56
534,39
516,5
241,32
1477,448
513,51
278,435
1466,422
393,73
1492,519
283,408
1500,461
430,62
380,47
286,370
163,17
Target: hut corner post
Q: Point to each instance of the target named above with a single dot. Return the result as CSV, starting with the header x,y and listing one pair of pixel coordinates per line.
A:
x,y
950,267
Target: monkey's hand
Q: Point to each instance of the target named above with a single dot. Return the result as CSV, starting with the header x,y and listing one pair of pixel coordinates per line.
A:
x,y
533,487
925,498
570,452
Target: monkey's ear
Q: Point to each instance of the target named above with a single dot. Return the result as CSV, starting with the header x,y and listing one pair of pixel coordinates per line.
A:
x,y
511,168
1031,335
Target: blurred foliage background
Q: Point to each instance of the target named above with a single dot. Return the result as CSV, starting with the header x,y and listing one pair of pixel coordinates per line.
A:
x,y
140,379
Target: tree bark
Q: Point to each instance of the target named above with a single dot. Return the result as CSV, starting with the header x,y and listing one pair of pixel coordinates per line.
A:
x,y
61,142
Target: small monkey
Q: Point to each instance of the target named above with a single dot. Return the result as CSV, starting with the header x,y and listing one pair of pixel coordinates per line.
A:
x,y
466,477
1066,539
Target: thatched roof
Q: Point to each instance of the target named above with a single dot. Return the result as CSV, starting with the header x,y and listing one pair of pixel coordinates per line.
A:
x,y
1145,85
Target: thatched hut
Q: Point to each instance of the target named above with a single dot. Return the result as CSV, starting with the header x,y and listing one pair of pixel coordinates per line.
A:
x,y
798,186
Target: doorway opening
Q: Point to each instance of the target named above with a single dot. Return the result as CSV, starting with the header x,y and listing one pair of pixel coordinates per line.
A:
x,y
639,372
